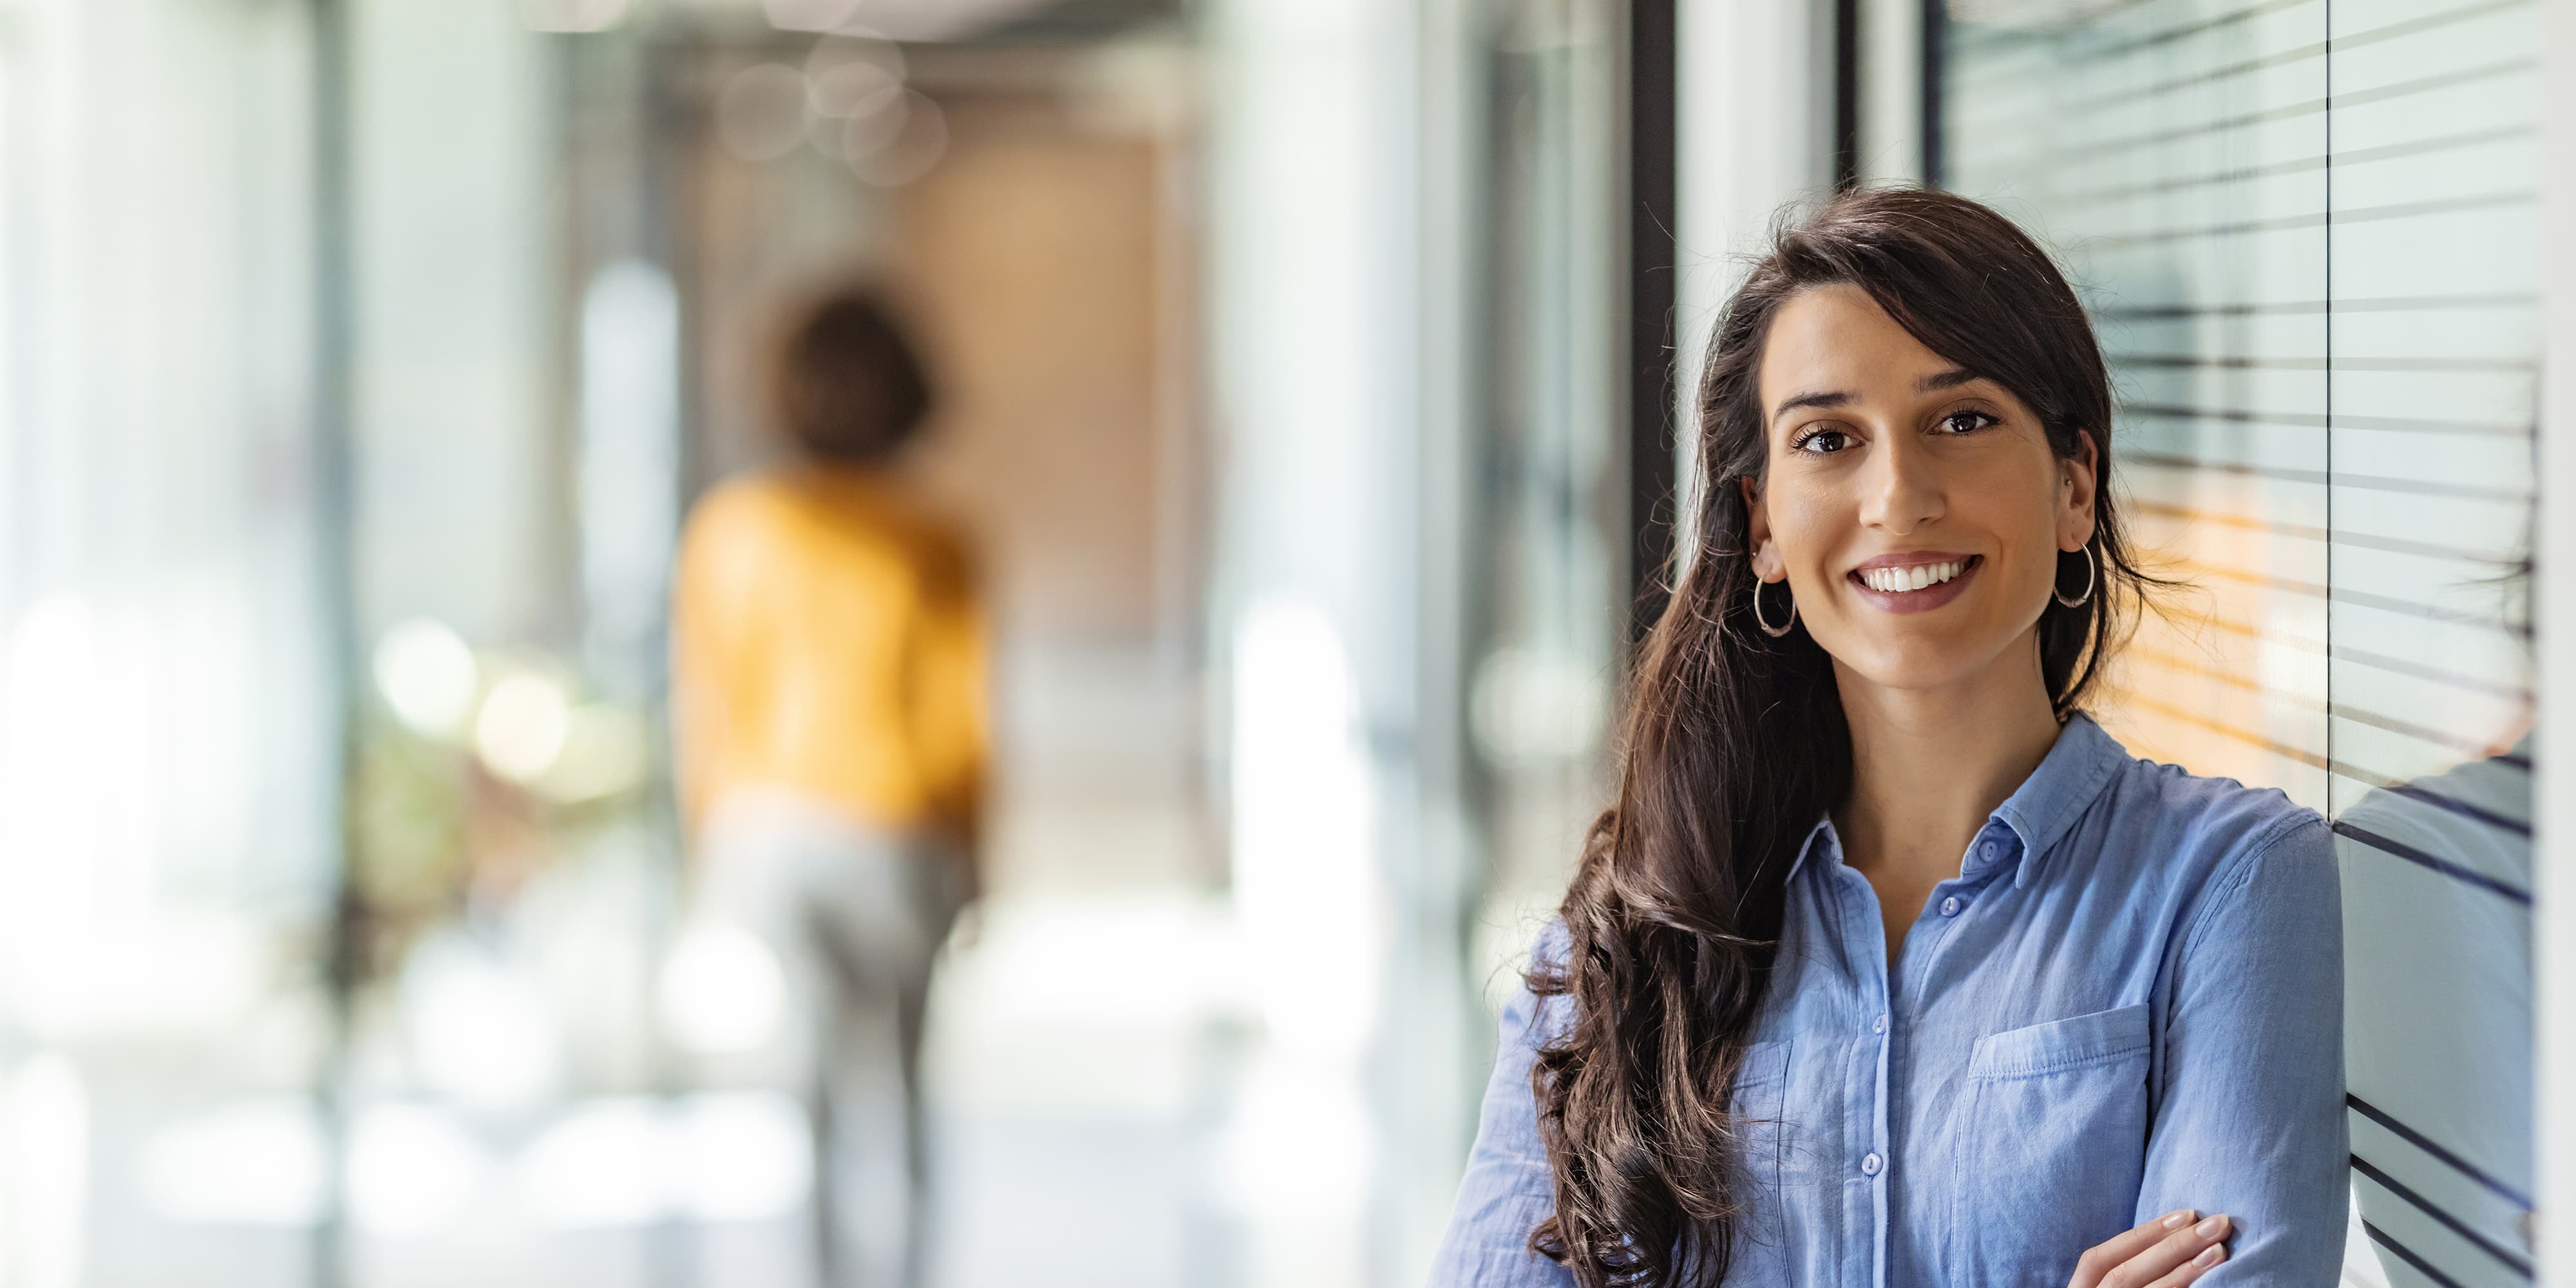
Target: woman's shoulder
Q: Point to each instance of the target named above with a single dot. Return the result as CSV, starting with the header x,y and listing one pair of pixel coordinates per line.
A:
x,y
2207,809
835,508
2217,836
735,499
753,508
1534,1007
1550,947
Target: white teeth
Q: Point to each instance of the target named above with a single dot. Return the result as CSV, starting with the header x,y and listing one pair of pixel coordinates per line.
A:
x,y
1903,580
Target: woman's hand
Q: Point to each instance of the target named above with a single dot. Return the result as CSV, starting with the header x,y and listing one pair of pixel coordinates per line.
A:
x,y
2167,1252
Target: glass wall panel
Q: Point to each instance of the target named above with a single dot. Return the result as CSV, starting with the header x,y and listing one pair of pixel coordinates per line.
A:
x,y
2308,233
2435,250
166,864
1547,505
2176,164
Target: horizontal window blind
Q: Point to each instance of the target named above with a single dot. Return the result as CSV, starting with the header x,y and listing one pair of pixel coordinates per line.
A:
x,y
2308,231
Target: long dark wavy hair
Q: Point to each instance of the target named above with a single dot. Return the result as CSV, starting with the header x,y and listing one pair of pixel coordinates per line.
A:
x,y
1734,744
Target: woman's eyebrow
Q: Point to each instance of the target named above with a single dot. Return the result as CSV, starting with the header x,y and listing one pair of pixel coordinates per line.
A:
x,y
1819,398
1951,379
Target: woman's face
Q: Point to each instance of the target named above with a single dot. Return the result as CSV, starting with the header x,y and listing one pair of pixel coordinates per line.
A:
x,y
1915,511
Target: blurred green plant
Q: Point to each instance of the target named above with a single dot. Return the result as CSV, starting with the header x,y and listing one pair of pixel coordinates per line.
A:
x,y
456,803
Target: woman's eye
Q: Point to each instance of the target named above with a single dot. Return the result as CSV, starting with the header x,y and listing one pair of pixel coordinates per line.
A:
x,y
1966,422
1823,441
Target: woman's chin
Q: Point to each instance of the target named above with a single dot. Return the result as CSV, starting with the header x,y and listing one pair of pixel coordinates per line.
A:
x,y
1919,654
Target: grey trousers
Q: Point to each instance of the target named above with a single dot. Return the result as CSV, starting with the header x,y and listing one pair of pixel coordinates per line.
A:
x,y
855,916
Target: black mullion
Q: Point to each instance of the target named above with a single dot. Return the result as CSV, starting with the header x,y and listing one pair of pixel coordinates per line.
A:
x,y
1936,35
1652,188
1846,93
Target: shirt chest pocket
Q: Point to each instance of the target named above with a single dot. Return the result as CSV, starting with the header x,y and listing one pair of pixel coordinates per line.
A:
x,y
2051,1148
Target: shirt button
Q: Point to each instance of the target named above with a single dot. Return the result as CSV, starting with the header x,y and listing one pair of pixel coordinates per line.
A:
x,y
1986,849
1878,1025
1950,906
1869,1166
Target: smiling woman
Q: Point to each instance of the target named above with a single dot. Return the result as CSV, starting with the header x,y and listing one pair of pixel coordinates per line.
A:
x,y
1888,964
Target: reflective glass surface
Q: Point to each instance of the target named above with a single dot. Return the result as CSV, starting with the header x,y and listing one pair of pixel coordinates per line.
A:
x,y
2309,235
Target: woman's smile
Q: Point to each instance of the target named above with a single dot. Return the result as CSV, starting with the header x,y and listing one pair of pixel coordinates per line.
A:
x,y
1914,583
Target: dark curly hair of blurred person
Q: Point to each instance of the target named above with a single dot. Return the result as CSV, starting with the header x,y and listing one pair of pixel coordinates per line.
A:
x,y
845,382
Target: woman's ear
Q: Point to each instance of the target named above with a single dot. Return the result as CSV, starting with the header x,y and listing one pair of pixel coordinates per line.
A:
x,y
2078,477
1764,556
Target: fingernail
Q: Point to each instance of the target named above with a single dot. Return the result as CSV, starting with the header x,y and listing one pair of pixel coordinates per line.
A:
x,y
2211,1255
2210,1228
2175,1220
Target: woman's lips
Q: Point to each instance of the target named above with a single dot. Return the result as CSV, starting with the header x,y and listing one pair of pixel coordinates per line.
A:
x,y
1917,601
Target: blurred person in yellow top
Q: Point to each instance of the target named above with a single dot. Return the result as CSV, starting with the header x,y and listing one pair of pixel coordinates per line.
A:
x,y
828,695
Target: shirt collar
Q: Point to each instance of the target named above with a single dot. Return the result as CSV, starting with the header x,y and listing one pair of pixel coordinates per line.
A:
x,y
2074,772
1822,834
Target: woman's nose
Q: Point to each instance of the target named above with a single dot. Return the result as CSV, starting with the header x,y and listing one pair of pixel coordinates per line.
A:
x,y
1900,490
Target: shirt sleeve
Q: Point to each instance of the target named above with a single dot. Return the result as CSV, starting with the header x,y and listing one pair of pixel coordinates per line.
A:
x,y
2250,1113
1508,1189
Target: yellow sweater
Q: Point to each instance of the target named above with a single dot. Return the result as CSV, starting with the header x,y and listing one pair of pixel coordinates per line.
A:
x,y
826,640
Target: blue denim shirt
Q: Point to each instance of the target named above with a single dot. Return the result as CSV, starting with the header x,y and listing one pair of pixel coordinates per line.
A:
x,y
2129,1000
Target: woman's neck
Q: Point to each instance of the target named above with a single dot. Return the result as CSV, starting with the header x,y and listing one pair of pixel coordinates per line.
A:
x,y
1929,766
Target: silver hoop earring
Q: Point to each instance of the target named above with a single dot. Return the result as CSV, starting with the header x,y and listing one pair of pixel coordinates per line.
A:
x,y
1774,632
2080,600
